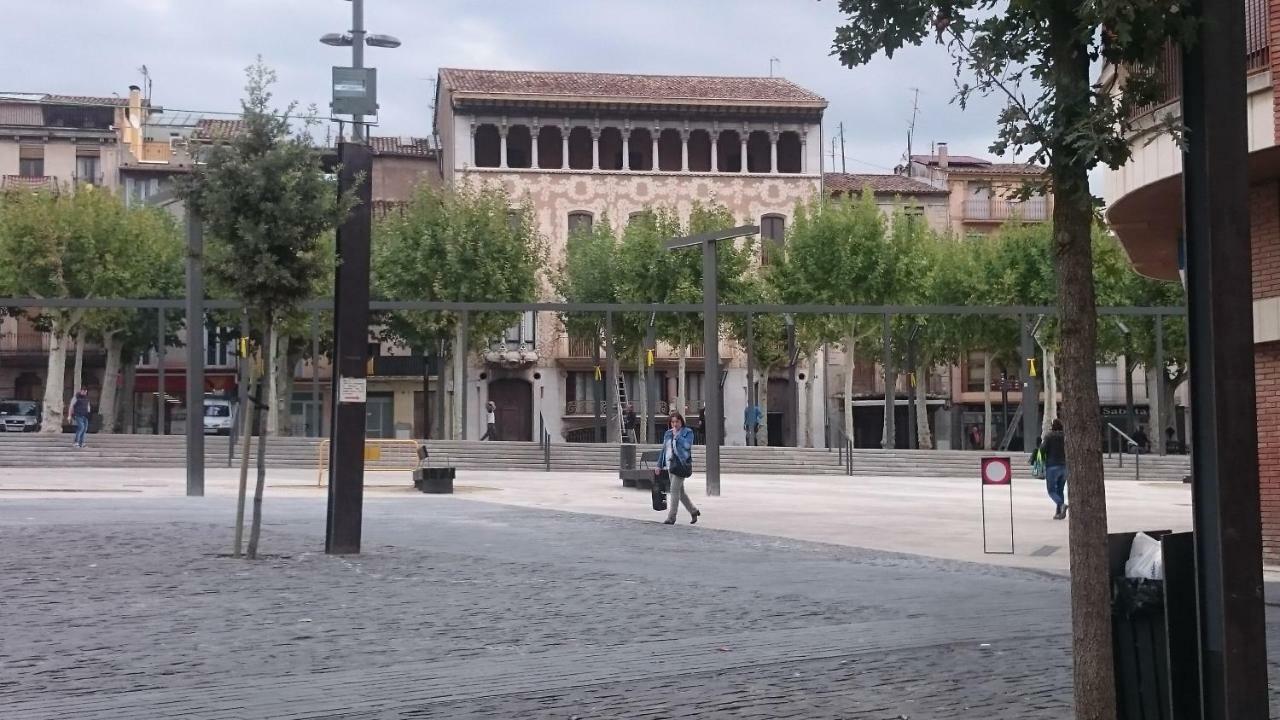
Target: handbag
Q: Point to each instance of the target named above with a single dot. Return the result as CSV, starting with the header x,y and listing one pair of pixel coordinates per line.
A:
x,y
678,467
1037,466
657,493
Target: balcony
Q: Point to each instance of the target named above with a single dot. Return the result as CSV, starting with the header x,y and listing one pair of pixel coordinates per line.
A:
x,y
586,407
403,366
582,347
997,210
24,343
28,182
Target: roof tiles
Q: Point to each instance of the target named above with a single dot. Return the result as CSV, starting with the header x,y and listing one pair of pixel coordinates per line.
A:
x,y
628,86
847,183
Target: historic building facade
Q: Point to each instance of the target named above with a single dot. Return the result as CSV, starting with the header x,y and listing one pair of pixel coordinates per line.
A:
x,y
584,148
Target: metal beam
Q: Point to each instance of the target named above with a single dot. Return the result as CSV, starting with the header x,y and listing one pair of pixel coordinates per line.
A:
x,y
1225,502
195,355
711,365
712,237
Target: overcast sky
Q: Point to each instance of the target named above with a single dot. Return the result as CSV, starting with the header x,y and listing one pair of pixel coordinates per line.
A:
x,y
196,51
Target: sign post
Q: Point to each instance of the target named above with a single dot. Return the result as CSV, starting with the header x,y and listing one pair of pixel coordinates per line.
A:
x,y
996,471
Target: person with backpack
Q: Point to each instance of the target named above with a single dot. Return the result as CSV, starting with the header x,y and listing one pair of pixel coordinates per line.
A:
x,y
1054,451
675,463
1037,461
78,414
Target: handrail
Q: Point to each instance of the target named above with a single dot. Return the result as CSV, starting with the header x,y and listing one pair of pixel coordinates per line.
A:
x,y
1132,447
544,441
845,446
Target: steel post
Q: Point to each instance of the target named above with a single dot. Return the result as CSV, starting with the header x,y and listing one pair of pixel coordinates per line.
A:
x,y
711,366
315,373
461,393
1225,500
195,355
913,389
1156,403
357,59
751,381
611,391
351,341
890,393
161,400
1030,388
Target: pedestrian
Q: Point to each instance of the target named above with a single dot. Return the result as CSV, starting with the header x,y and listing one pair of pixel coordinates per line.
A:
x,y
1141,440
975,437
491,418
631,423
702,425
751,423
1054,450
78,414
675,463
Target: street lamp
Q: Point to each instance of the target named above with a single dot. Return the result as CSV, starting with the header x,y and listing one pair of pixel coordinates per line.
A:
x,y
355,88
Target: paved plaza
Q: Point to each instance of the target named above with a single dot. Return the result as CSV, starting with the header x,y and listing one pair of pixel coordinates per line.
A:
x,y
119,603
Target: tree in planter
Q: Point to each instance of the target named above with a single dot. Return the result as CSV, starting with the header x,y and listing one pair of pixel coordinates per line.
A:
x,y
462,244
266,203
1039,54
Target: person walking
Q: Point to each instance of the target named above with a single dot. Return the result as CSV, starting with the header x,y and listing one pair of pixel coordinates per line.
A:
x,y
78,414
491,418
1054,451
631,423
675,463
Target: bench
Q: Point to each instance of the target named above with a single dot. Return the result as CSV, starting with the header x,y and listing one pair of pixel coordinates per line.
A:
x,y
649,456
641,477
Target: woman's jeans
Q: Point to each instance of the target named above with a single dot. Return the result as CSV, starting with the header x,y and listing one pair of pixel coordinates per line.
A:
x,y
82,427
678,495
1055,478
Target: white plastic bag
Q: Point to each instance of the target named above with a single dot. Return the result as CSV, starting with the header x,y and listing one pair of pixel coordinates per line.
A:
x,y
1144,559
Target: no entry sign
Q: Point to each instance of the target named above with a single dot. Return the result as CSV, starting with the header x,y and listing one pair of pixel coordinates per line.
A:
x,y
996,471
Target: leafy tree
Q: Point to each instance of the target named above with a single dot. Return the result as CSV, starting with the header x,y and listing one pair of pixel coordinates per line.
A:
x,y
1039,55
266,203
463,244
589,274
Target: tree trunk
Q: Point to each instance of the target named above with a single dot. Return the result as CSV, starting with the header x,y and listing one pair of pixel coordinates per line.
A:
x,y
762,434
77,374
279,373
1092,660
810,371
256,529
890,409
850,349
246,427
681,379
129,417
459,379
642,382
986,401
1050,390
54,381
614,416
924,437
107,403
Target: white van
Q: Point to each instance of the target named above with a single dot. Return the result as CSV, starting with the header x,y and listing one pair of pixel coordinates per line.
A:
x,y
219,416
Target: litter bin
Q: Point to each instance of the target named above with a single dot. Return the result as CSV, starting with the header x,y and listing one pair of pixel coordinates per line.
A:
x,y
1154,632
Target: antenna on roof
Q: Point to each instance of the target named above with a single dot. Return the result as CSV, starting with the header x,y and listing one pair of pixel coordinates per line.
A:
x,y
146,82
911,129
773,60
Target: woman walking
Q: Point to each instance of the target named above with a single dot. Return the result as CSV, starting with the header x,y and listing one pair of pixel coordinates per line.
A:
x,y
675,462
1054,452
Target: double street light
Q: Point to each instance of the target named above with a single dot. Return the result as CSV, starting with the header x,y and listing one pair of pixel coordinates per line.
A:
x,y
355,88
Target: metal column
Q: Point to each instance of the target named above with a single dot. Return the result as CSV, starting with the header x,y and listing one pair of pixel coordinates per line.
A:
x,y
315,373
751,380
351,349
1156,404
357,60
611,391
195,355
460,394
711,366
1030,388
890,393
1226,508
160,389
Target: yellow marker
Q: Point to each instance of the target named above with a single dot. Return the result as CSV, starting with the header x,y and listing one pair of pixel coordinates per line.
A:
x,y
244,347
650,358
368,366
913,379
597,372
1032,363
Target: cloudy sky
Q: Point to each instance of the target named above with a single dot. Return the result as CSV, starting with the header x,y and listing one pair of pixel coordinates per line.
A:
x,y
196,51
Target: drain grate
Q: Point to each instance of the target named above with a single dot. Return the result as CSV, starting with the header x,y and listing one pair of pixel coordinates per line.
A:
x,y
1046,550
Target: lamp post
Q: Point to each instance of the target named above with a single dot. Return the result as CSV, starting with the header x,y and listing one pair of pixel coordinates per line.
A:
x,y
356,39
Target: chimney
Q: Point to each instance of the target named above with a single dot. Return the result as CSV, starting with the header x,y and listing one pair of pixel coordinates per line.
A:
x,y
132,129
942,155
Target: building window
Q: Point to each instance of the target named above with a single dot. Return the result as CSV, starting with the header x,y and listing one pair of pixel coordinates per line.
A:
x,y
610,149
773,233
87,169
488,146
640,149
973,373
579,220
639,216
218,346
700,151
514,220
137,190
550,148
670,150
977,203
789,152
522,332
31,167
519,147
729,151
759,152
580,148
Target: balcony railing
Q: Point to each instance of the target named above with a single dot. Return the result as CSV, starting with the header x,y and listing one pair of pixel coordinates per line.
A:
x,y
585,407
1034,209
581,347
28,182
24,342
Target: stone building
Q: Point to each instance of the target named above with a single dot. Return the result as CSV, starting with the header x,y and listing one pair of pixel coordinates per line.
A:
x,y
585,147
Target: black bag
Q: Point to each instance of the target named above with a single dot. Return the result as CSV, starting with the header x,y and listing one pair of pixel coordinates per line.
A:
x,y
678,467
659,496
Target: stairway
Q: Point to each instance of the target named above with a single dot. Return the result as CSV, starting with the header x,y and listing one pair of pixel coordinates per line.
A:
x,y
36,450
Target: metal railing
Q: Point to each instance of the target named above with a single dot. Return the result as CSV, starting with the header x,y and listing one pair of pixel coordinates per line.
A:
x,y
28,182
998,210
544,442
1120,443
586,407
845,446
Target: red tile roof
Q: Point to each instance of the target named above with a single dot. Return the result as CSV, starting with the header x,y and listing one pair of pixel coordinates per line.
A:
x,y
216,129
404,146
628,86
1002,169
85,100
843,183
952,160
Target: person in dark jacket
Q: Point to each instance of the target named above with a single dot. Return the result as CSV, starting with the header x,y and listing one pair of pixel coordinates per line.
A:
x,y
1054,451
79,413
677,448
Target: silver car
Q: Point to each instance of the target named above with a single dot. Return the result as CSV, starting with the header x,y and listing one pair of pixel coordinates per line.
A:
x,y
219,417
19,415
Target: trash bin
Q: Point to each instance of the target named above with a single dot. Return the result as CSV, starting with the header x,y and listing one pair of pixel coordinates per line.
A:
x,y
1154,633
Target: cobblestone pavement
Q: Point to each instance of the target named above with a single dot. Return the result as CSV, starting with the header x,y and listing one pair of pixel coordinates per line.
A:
x,y
125,608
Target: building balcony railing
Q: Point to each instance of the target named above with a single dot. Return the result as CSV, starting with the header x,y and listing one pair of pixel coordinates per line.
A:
x,y
582,347
28,182
1034,209
24,342
587,408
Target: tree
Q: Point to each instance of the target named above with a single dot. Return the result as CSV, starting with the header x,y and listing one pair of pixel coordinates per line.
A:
x,y
266,202
589,274
463,244
1038,55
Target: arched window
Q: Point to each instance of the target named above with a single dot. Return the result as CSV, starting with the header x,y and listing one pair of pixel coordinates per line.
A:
x,y
640,147
519,147
729,151
789,152
639,217
488,147
580,148
580,220
670,151
550,148
759,151
773,234
610,148
700,151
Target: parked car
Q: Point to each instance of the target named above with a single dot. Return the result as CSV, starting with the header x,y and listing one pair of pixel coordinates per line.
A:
x,y
219,416
19,415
